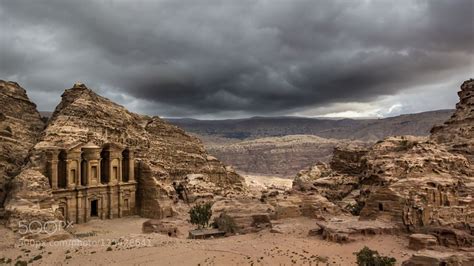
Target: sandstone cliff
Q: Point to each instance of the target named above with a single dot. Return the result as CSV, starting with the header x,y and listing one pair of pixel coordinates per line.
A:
x,y
277,156
164,153
30,203
85,116
20,123
458,132
418,183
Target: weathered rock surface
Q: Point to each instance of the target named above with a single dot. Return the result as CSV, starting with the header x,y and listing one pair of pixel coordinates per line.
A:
x,y
347,159
415,182
458,132
430,257
451,237
160,226
164,153
248,215
31,208
20,124
421,241
299,204
83,115
347,229
332,185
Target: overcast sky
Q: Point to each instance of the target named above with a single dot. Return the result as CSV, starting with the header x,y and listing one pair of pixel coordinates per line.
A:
x,y
229,59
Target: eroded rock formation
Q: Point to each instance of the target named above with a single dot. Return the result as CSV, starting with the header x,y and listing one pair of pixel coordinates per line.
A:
x,y
20,124
415,182
84,120
458,132
430,257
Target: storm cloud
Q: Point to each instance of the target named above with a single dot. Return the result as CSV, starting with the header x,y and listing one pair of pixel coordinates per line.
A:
x,y
242,58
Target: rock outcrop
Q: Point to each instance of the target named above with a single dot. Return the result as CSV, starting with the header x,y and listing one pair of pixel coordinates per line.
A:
x,y
247,214
20,124
415,182
348,229
431,257
458,132
31,209
164,153
160,227
422,241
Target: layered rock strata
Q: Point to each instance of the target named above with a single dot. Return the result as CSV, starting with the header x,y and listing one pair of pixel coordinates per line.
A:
x,y
86,121
20,124
418,183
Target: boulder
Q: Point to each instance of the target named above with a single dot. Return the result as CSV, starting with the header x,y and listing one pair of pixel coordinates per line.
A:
x,y
347,228
430,257
247,214
160,226
421,241
300,204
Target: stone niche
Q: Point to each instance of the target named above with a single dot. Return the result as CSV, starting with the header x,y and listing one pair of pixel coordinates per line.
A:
x,y
90,181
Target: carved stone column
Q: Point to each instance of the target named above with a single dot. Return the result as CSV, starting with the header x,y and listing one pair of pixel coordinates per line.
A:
x,y
80,211
131,166
52,157
111,203
91,153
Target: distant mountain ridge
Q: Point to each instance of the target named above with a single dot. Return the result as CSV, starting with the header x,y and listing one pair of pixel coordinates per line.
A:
x,y
365,129
281,146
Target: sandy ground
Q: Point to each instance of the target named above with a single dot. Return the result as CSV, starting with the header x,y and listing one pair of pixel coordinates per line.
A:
x,y
120,242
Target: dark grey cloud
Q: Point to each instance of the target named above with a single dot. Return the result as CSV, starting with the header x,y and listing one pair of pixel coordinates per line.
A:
x,y
197,58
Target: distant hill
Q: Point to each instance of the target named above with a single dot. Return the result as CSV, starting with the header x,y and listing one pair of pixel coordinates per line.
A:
x,y
276,156
281,146
365,129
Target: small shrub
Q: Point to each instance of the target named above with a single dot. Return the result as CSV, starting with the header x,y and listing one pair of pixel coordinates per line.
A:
x,y
225,223
200,214
21,263
368,257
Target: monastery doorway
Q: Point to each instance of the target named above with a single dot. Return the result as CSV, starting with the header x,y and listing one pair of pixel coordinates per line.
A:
x,y
94,208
